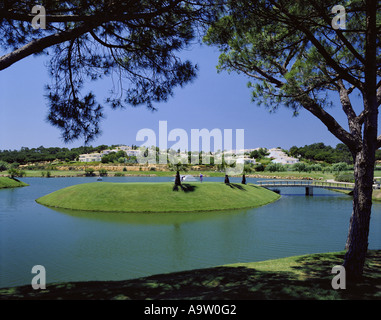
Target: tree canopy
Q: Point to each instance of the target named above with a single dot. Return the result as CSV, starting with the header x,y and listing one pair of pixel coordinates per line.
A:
x,y
296,55
88,40
321,152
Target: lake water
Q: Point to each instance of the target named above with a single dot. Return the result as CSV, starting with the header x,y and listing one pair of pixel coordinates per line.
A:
x,y
79,246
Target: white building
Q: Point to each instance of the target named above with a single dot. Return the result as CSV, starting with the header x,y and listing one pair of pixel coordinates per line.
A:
x,y
91,157
246,161
280,157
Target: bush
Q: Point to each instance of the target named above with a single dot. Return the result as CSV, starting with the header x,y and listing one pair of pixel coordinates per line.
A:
x,y
118,174
299,166
275,167
3,166
102,172
13,172
341,166
345,177
14,165
316,167
89,172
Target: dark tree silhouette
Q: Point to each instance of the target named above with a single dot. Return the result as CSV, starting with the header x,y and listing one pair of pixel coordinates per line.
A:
x,y
89,40
295,54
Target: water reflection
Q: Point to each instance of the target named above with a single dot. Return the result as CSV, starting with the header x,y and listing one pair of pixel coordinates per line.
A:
x,y
148,218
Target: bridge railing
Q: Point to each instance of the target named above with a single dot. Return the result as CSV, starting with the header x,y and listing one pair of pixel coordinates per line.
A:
x,y
312,183
306,183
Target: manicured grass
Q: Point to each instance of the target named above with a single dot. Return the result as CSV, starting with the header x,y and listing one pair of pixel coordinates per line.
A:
x,y
6,182
158,197
300,277
376,196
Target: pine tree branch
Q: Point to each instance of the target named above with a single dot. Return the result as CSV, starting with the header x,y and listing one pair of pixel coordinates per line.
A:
x,y
39,45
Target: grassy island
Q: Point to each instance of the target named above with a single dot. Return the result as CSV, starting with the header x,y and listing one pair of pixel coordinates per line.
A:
x,y
158,197
6,182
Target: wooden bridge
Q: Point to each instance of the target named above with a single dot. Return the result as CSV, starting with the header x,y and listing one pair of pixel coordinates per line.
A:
x,y
308,184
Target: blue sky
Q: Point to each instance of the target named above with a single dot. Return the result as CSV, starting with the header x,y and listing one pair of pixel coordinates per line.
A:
x,y
212,101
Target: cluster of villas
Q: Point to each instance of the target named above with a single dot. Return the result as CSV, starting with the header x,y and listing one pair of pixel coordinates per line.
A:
x,y
277,155
91,157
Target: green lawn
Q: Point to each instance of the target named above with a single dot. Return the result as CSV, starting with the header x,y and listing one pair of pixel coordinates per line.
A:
x,y
6,182
306,277
376,195
158,197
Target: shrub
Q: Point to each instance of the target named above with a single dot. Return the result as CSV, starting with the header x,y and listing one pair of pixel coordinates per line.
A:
x,y
259,167
102,172
89,172
13,172
345,177
15,165
341,166
118,174
3,165
275,167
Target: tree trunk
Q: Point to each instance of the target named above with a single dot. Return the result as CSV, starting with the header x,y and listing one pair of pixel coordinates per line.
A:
x,y
227,179
177,179
243,179
357,241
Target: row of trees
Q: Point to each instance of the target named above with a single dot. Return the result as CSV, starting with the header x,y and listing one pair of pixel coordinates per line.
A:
x,y
41,154
321,152
303,167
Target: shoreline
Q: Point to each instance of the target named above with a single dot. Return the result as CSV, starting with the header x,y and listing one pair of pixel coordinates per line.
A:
x,y
286,278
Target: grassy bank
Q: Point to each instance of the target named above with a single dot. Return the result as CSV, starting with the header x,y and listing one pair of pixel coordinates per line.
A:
x,y
376,196
299,277
158,197
6,182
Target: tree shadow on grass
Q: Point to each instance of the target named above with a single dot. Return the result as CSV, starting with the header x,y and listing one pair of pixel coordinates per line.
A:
x,y
236,186
319,267
310,279
218,283
184,187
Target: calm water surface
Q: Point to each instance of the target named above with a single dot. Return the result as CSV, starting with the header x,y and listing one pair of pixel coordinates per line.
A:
x,y
79,246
